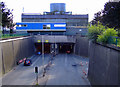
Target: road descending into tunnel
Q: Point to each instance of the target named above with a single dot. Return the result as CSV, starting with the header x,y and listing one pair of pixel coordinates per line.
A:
x,y
64,69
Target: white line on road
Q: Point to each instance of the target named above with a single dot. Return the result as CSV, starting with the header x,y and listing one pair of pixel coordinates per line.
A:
x,y
35,61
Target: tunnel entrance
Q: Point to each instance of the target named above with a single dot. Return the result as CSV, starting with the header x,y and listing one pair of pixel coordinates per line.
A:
x,y
64,47
38,47
60,48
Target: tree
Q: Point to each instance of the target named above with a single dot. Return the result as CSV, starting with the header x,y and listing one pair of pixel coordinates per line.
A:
x,y
110,16
97,18
94,31
7,17
108,36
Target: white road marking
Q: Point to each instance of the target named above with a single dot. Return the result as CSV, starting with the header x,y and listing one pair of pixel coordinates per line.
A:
x,y
35,61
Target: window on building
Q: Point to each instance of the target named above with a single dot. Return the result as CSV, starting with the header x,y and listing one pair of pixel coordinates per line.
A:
x,y
22,25
46,26
18,26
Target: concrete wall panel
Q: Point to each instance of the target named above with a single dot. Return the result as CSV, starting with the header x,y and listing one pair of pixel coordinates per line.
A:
x,y
81,46
7,49
113,67
119,68
17,52
30,47
14,50
1,66
103,65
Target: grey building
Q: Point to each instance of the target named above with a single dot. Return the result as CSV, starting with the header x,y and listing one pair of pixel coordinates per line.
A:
x,y
74,23
57,7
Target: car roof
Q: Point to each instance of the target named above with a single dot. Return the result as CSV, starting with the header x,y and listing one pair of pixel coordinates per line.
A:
x,y
28,59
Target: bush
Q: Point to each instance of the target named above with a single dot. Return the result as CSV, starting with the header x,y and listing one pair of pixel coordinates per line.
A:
x,y
118,43
94,31
108,36
0,33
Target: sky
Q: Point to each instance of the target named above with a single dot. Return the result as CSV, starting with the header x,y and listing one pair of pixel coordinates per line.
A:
x,y
89,7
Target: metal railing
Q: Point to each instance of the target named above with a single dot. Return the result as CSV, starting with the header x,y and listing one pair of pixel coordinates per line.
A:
x,y
114,40
13,35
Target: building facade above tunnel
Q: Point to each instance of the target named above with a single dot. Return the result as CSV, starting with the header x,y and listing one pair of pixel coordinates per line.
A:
x,y
74,23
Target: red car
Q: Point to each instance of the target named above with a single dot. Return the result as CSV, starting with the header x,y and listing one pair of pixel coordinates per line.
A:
x,y
68,52
20,61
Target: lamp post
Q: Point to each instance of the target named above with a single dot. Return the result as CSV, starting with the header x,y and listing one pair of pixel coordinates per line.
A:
x,y
80,31
55,46
43,53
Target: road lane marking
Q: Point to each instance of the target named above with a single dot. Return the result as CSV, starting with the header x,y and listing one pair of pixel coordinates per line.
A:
x,y
35,61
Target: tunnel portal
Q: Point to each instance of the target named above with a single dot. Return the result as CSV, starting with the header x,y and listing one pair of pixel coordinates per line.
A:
x,y
56,47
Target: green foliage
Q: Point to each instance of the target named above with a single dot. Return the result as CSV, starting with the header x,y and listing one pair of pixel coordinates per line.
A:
x,y
102,34
6,17
109,16
94,31
0,31
0,34
118,43
108,36
97,18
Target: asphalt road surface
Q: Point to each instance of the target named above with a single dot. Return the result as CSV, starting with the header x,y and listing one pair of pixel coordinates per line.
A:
x,y
64,69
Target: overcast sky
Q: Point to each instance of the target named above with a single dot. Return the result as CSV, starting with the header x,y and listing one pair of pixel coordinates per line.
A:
x,y
39,6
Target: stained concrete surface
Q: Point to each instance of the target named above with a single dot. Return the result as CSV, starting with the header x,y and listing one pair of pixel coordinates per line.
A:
x,y
24,75
12,50
60,72
0,66
104,65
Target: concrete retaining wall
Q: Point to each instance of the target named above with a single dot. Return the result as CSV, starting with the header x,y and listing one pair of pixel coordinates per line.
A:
x,y
76,31
81,46
104,65
13,50
0,61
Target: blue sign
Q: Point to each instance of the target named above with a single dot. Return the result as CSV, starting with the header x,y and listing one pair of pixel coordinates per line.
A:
x,y
41,26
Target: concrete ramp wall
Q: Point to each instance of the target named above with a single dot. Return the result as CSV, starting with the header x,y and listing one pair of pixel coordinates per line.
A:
x,y
104,65
12,50
0,61
81,46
